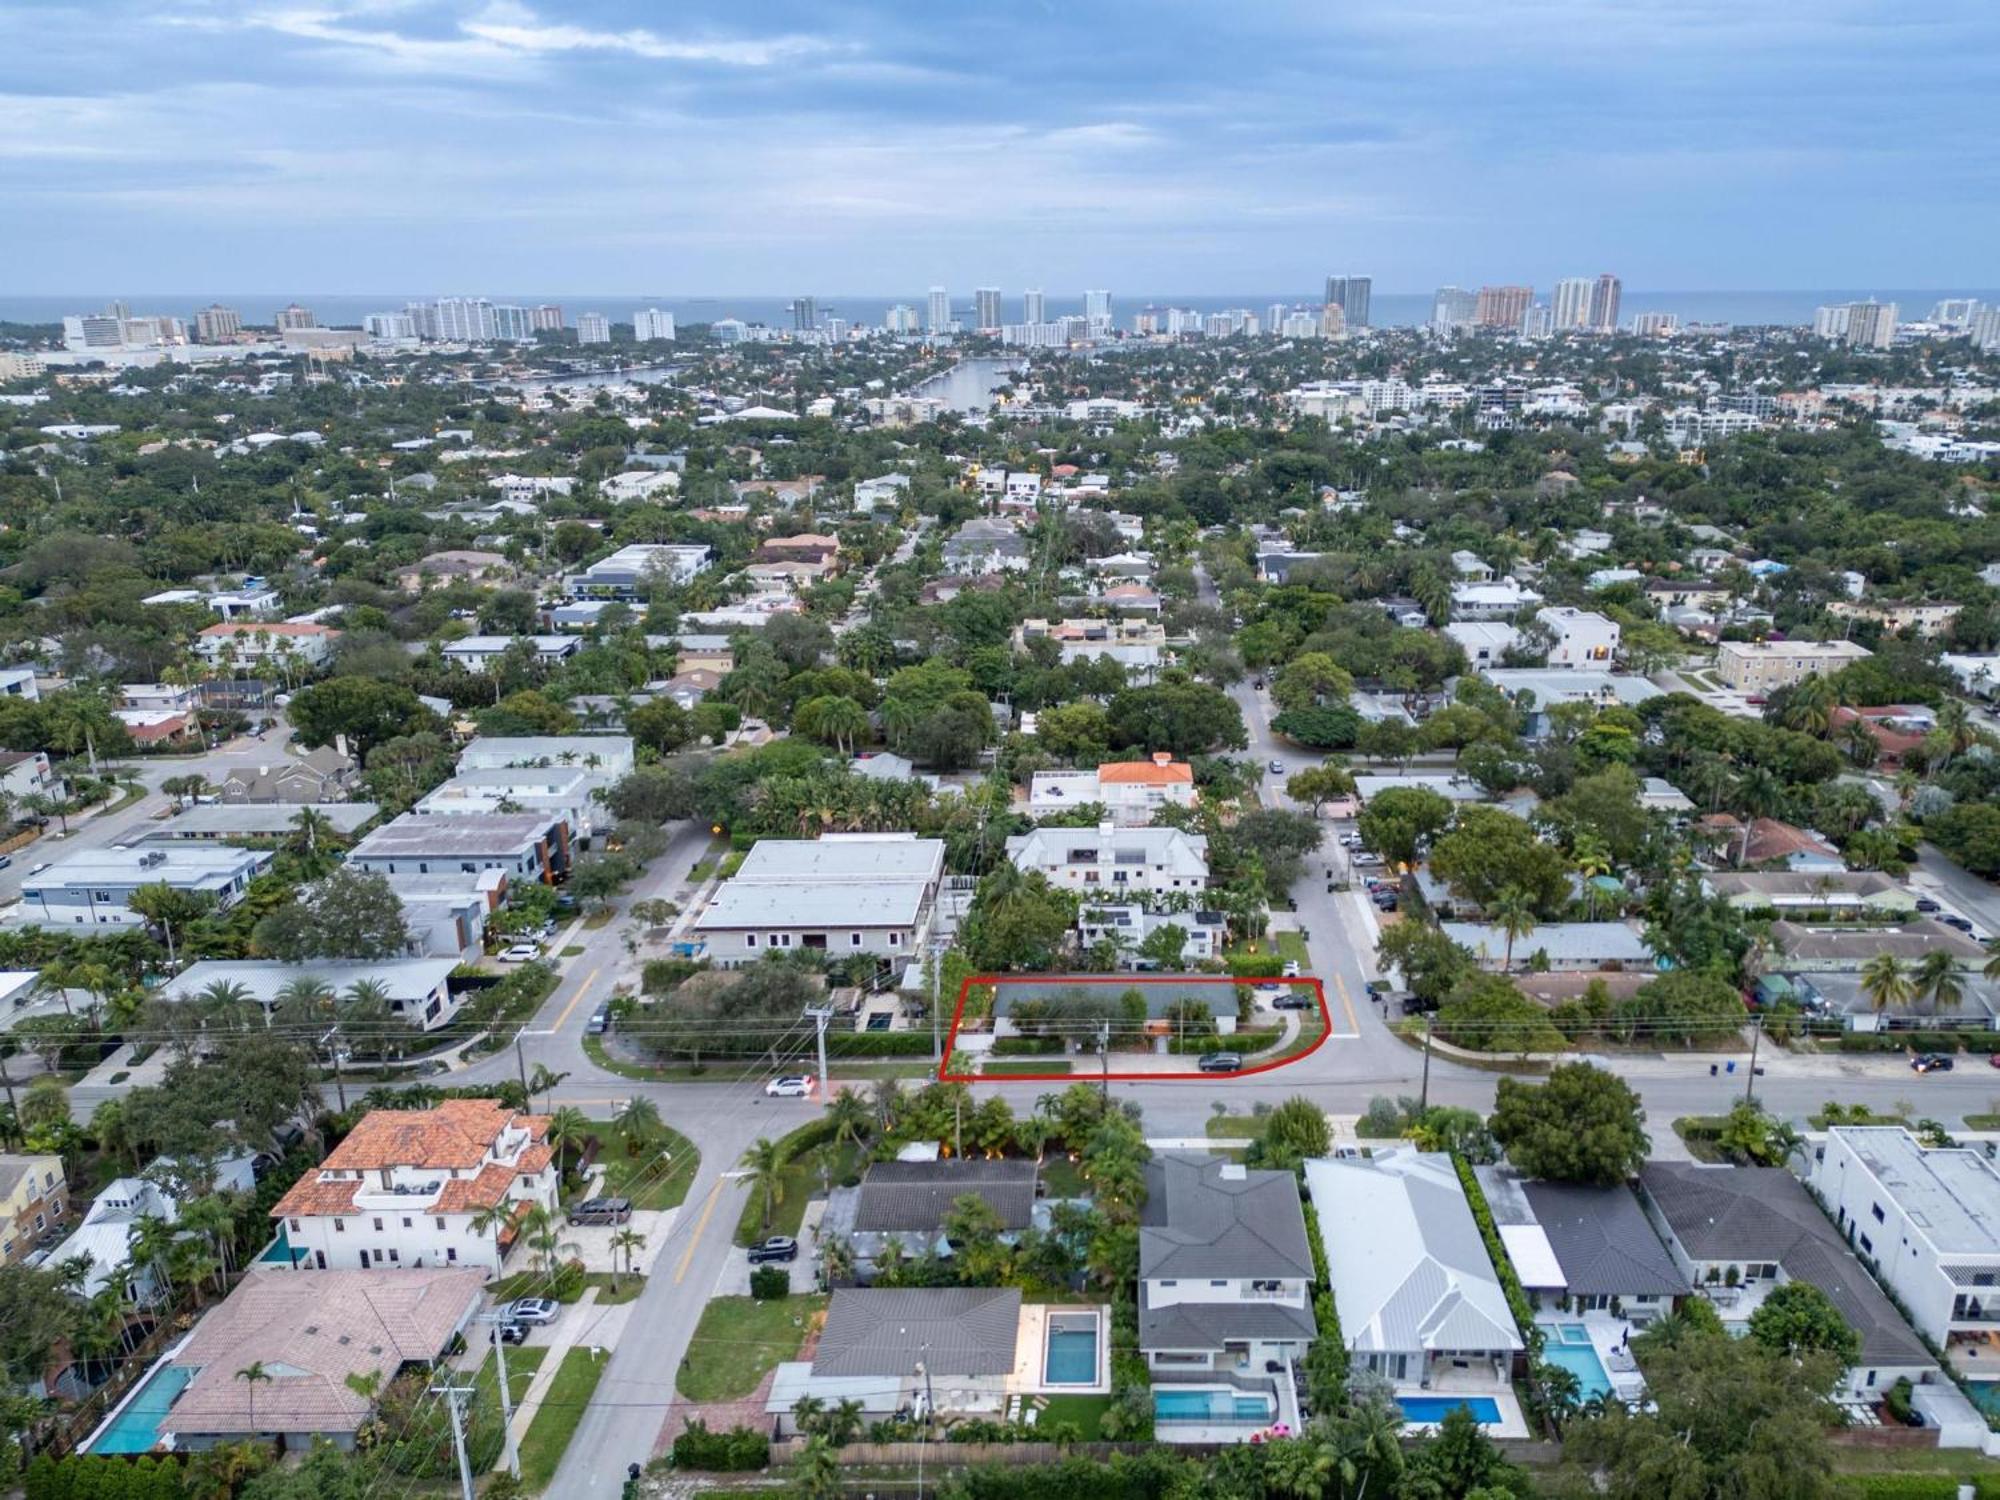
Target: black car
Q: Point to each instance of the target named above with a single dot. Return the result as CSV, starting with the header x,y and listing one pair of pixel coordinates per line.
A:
x,y
779,1247
1952,919
1410,1004
513,1333
1930,1062
1296,997
601,1211
1925,904
1221,1062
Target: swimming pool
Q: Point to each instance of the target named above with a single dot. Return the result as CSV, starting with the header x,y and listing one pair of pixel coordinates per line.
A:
x,y
1571,1349
1210,1406
1985,1395
1485,1410
1071,1357
136,1428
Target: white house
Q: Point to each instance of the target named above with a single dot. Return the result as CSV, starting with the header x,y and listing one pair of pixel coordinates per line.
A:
x,y
562,790
1132,791
630,571
1111,859
247,642
1499,600
841,894
1580,637
1128,925
606,755
94,887
407,1186
417,990
474,652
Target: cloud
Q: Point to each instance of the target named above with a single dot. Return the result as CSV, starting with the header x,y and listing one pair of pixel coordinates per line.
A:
x,y
517,28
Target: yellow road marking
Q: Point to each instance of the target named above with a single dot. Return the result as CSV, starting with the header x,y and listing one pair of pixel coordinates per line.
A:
x,y
588,980
1353,1021
701,1224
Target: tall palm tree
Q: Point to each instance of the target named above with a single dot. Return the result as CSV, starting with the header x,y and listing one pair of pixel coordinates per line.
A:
x,y
1809,706
568,1129
1513,912
491,1219
254,1374
1885,982
639,1119
544,1081
849,1116
765,1162
1937,980
627,1242
1759,794
310,825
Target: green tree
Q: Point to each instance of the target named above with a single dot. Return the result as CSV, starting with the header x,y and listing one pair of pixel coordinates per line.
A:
x,y
1513,912
1798,1319
764,1163
1318,785
1886,982
1395,822
366,710
1582,1125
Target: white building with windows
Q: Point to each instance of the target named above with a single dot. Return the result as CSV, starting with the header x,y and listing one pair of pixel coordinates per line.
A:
x,y
840,894
1579,637
415,1188
651,324
1114,859
94,888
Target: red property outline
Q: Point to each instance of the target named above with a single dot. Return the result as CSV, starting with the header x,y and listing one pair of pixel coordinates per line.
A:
x,y
1124,981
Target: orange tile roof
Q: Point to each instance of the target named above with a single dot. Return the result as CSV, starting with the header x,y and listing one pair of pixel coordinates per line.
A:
x,y
457,1134
463,1195
1146,773
310,1198
268,627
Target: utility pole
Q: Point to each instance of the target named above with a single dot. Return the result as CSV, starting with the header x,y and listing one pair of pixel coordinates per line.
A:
x,y
1104,1058
339,1082
1750,1078
455,1397
521,1062
506,1398
821,1014
7,1083
937,1027
1424,1101
958,1126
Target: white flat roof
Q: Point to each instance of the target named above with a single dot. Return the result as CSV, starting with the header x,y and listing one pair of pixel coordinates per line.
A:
x,y
1533,1256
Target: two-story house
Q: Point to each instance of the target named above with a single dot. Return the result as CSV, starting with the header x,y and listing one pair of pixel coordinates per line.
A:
x,y
1114,860
422,1187
94,888
1579,637
34,1197
842,895
525,846
1225,1293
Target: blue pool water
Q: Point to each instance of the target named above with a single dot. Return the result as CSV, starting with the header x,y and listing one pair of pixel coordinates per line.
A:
x,y
137,1427
279,1251
1209,1406
1571,1349
1484,1409
1986,1396
1072,1355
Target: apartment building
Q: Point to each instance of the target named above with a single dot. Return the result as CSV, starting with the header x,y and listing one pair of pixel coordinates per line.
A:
x,y
630,572
841,894
1765,666
525,846
34,1197
1111,859
1924,620
94,888
247,642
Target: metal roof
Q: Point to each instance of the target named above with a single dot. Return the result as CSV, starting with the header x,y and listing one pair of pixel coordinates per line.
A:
x,y
841,857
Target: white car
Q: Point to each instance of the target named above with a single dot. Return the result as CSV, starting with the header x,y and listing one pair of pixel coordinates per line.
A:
x,y
798,1086
521,953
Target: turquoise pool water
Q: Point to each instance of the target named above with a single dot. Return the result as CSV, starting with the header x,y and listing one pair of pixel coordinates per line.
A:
x,y
1571,1349
280,1251
1986,1396
1484,1409
1209,1406
137,1427
1072,1354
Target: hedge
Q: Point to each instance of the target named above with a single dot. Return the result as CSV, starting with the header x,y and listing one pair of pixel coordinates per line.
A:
x,y
1482,1215
90,1477
1026,1046
734,1451
1919,1041
1898,1486
1326,1362
839,1044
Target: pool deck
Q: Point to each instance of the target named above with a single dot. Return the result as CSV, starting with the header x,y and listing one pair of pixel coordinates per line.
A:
x,y
1608,1336
131,1395
1030,1375
1512,1423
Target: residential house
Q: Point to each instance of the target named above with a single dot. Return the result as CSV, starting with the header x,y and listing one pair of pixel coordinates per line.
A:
x,y
1848,948
447,913
323,775
27,773
1738,1233
19,682
1470,565
986,545
525,846
607,755
1111,859
695,652
632,571
1225,1294
1545,687
811,547
883,492
1770,842
476,652
1567,947
1419,1301
242,643
1843,893
1136,645
417,990
1580,637
1132,792
1127,926
1582,1248
157,726
1897,730
564,791
840,894
34,1202
638,484
905,1203
422,1187
1485,643
103,1238
222,823
94,887
1760,668
452,567
321,1342
1500,600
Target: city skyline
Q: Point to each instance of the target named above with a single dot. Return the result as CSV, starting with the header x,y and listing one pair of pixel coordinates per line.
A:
x,y
228,144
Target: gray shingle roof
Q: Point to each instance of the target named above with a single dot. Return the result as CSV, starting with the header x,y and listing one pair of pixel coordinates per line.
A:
x,y
1603,1241
952,1330
899,1196
1766,1214
1203,1219
1209,1325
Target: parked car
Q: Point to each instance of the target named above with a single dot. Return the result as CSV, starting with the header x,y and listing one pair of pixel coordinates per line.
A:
x,y
1379,987
1277,768
779,1247
796,1086
1350,841
1925,904
1408,1003
1952,919
1291,968
533,1310
1386,900
601,1211
1930,1062
513,1333
6,860
1365,859
1220,1062
599,1020
1295,997
521,953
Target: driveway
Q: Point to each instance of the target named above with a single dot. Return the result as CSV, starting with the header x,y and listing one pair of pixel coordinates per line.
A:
x,y
593,1241
735,1278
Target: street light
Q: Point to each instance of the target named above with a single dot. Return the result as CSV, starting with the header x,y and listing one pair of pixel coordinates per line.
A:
x,y
521,1063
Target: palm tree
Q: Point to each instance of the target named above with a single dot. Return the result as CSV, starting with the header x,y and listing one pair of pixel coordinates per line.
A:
x,y
628,1242
306,1000
311,825
254,1374
490,1220
1808,707
848,1115
1863,749
765,1161
1759,794
639,1119
1992,966
1513,912
1937,980
1885,982
567,1131
816,1471
544,1081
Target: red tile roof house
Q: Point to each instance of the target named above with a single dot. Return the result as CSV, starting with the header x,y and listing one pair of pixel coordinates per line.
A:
x,y
407,1186
1770,843
1897,728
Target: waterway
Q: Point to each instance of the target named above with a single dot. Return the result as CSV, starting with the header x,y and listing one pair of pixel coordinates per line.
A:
x,y
969,385
588,379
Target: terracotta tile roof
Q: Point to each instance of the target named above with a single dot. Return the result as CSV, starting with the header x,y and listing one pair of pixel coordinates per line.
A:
x,y
464,1195
268,627
457,1135
1146,773
310,1198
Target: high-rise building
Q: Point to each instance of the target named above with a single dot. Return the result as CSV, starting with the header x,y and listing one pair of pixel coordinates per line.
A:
x,y
1353,293
1569,305
1034,306
392,327
938,311
805,315
1502,306
834,328
424,318
1274,317
466,320
1986,328
593,328
902,318
93,331
651,325
216,324
1655,324
547,318
1870,324
1452,307
294,316
1539,321
1955,312
1830,322
1097,312
986,307
513,324
1332,321
1604,299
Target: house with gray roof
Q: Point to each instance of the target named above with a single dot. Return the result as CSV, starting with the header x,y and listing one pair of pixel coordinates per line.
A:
x,y
1418,1298
1568,947
905,1203
1582,1248
1739,1233
1225,1287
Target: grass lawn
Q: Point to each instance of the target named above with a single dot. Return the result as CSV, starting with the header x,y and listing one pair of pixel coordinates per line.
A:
x,y
738,1339
1288,945
1233,1127
1085,1411
646,1179
485,1420
1024,1067
729,1070
801,1180
1972,1122
1966,1461
556,1418
629,1287
599,918
1062,1178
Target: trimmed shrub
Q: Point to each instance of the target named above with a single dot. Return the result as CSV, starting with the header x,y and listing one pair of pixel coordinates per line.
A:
x,y
770,1283
736,1451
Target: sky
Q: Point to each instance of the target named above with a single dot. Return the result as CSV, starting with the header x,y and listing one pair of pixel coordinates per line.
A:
x,y
881,146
